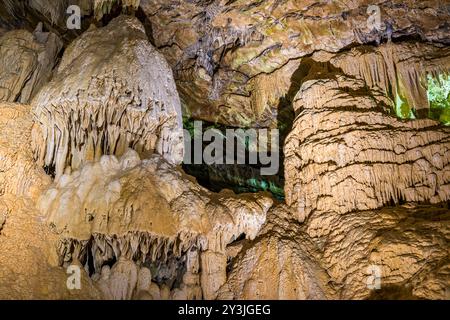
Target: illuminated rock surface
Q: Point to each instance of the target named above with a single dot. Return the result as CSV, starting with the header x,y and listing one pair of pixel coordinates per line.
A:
x,y
26,63
28,268
93,106
345,153
90,175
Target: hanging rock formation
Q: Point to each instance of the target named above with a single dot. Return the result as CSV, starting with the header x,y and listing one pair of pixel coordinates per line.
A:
x,y
401,71
94,107
346,153
28,261
147,211
336,256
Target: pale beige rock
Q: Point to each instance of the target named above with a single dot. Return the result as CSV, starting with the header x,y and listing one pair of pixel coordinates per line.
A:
x,y
154,291
346,153
102,7
144,279
335,256
407,244
94,107
224,54
140,209
282,263
165,292
26,63
19,174
151,232
399,70
28,264
123,279
104,283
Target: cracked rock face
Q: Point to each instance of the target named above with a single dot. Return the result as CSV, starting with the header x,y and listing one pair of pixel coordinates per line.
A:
x,y
93,106
26,63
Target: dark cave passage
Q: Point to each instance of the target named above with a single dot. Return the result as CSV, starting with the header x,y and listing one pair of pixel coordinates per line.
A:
x,y
239,177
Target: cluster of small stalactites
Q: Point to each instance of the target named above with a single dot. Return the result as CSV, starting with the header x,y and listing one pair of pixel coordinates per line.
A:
x,y
136,246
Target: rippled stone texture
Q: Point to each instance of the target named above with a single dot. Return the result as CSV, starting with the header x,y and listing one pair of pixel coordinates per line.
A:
x,y
28,263
346,153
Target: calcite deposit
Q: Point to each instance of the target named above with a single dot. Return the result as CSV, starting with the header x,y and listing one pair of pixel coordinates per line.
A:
x,y
27,60
94,107
28,268
345,153
147,212
94,201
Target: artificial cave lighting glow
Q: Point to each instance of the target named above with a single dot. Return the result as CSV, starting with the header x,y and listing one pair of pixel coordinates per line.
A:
x,y
439,97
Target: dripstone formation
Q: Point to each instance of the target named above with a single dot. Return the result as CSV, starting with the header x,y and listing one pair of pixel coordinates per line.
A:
x,y
92,145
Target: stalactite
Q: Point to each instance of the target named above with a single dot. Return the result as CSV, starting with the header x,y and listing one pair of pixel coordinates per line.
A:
x,y
364,160
99,211
107,111
399,70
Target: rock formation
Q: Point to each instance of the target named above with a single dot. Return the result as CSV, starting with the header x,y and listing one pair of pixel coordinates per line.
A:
x,y
26,63
346,153
233,62
94,202
27,261
147,212
93,107
282,263
399,70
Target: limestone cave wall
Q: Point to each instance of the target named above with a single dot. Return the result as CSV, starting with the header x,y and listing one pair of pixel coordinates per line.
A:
x,y
96,122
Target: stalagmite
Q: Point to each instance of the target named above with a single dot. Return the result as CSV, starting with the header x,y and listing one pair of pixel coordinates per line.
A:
x,y
28,261
214,273
103,7
19,174
148,211
94,202
104,282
